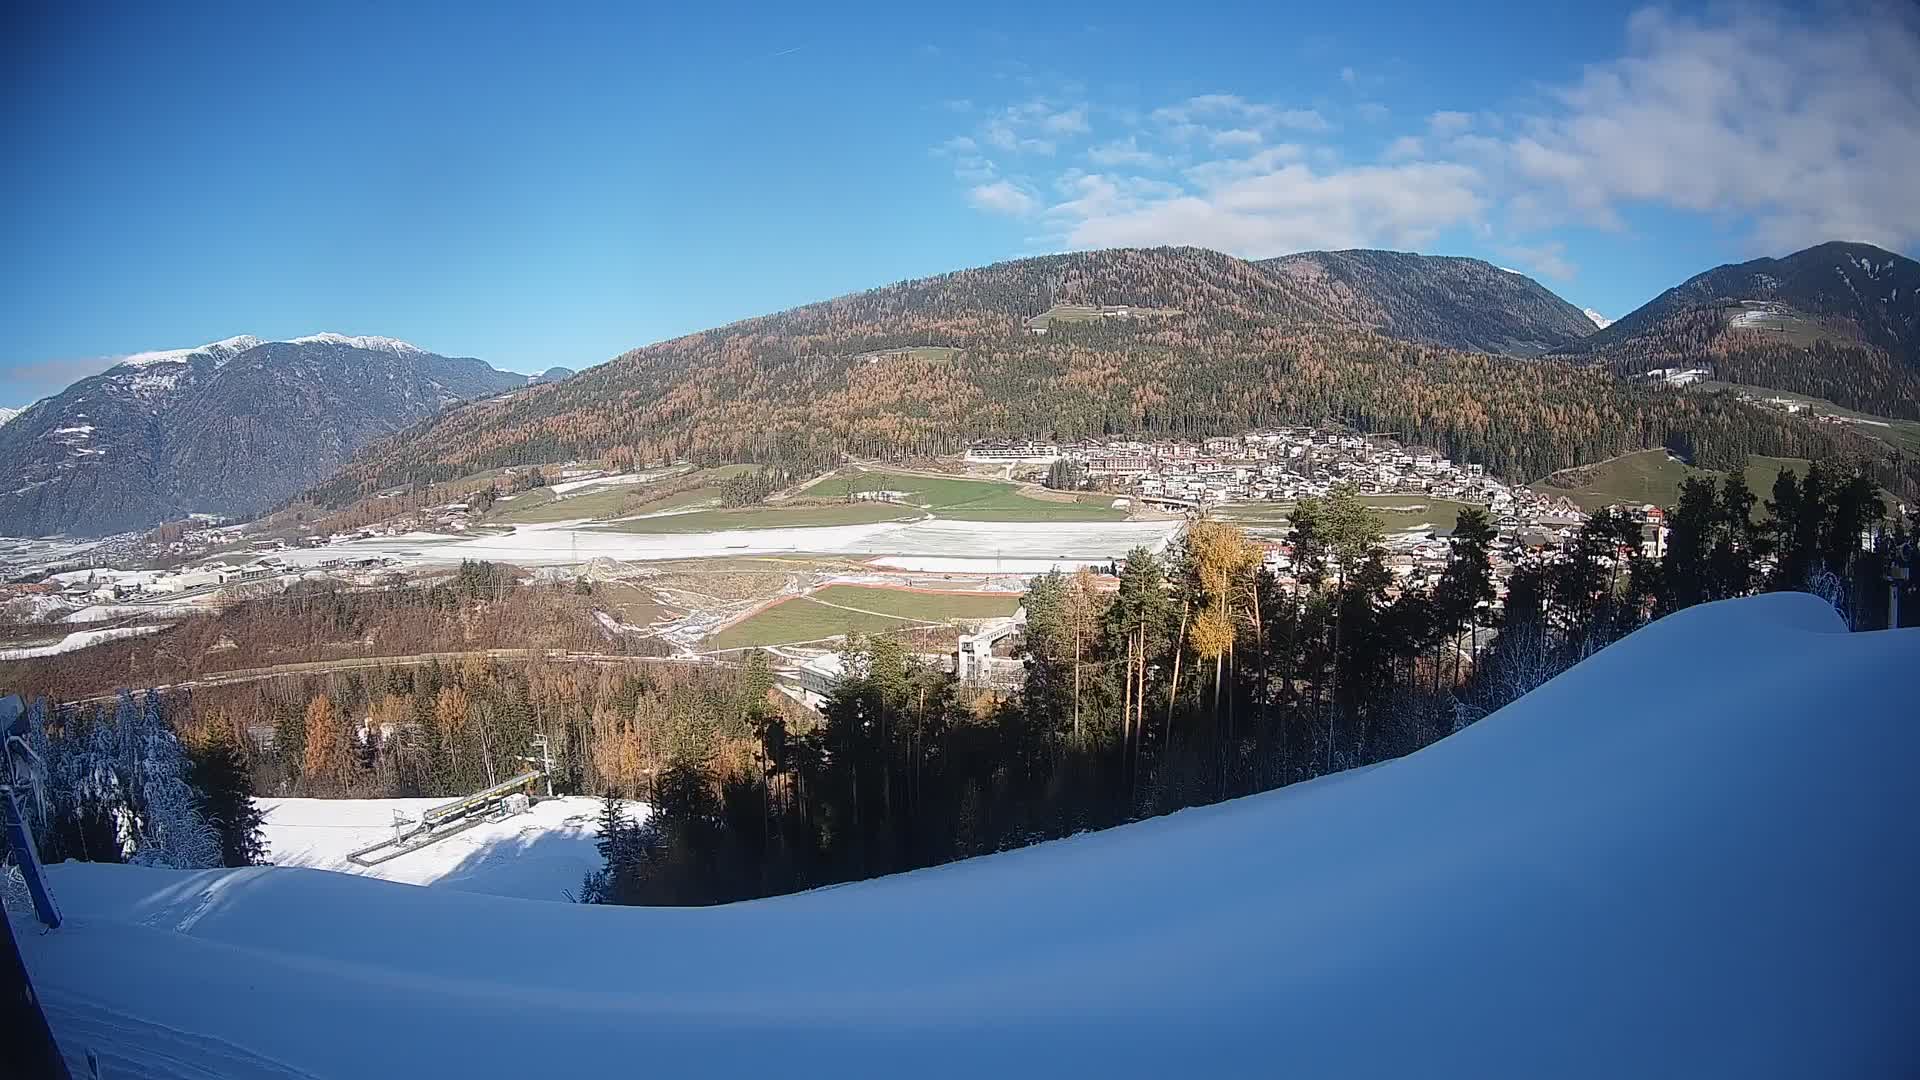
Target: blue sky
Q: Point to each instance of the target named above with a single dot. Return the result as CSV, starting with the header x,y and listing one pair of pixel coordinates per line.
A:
x,y
554,191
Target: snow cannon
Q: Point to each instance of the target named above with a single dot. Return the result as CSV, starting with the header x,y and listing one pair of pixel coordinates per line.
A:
x,y
494,802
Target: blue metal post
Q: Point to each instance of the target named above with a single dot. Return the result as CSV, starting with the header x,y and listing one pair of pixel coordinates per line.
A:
x,y
19,837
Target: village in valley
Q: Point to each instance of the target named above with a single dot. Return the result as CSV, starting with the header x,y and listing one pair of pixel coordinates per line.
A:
x,y
1123,492
1253,480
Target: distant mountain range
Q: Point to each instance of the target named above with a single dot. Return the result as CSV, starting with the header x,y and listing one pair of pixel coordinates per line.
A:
x,y
1839,321
230,427
1440,300
7,414
1175,341
552,374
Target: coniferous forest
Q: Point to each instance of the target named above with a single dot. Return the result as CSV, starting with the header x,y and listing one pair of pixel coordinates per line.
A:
x,y
1198,678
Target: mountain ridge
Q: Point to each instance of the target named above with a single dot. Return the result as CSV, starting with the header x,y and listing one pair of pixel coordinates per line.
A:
x,y
229,427
1446,300
1175,341
1838,320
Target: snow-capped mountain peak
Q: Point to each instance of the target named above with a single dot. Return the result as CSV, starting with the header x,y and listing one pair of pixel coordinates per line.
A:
x,y
7,414
369,342
1599,320
221,351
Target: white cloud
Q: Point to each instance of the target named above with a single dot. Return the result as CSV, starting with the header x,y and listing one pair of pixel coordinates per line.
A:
x,y
1002,197
1097,195
1810,126
1126,151
1291,208
1548,259
959,144
1404,147
1067,121
1793,129
974,168
1303,120
1001,135
1208,112
1214,174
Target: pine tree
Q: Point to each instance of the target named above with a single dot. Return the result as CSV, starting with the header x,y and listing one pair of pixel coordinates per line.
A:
x,y
219,773
170,828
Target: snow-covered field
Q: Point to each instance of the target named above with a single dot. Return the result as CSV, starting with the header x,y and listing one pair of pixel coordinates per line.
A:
x,y
1692,855
984,545
78,639
21,554
539,855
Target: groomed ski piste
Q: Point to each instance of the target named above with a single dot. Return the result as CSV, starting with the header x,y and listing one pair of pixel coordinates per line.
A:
x,y
1695,854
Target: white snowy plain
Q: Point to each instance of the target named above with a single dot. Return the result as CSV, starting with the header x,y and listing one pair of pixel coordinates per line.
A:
x,y
78,639
538,855
967,545
1691,855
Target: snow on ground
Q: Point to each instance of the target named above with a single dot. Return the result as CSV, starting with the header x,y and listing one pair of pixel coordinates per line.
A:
x,y
539,855
925,565
568,487
25,554
222,350
157,609
1692,855
79,639
983,543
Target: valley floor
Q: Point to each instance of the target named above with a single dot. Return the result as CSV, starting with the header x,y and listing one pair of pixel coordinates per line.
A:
x,y
1690,855
983,546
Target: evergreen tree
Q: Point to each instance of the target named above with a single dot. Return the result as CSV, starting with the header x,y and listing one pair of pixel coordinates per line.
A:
x,y
170,828
219,774
1467,583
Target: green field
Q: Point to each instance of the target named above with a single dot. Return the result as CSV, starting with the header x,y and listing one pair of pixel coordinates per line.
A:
x,y
592,503
1396,512
927,606
791,622
815,616
765,517
1653,476
961,499
530,507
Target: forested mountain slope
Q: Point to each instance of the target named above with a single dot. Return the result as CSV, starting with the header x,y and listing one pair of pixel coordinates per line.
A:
x,y
1440,300
924,366
1839,321
231,427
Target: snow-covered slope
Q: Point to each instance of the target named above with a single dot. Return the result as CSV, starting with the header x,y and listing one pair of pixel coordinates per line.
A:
x,y
1692,855
7,414
540,855
231,427
219,351
1599,320
79,639
369,342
